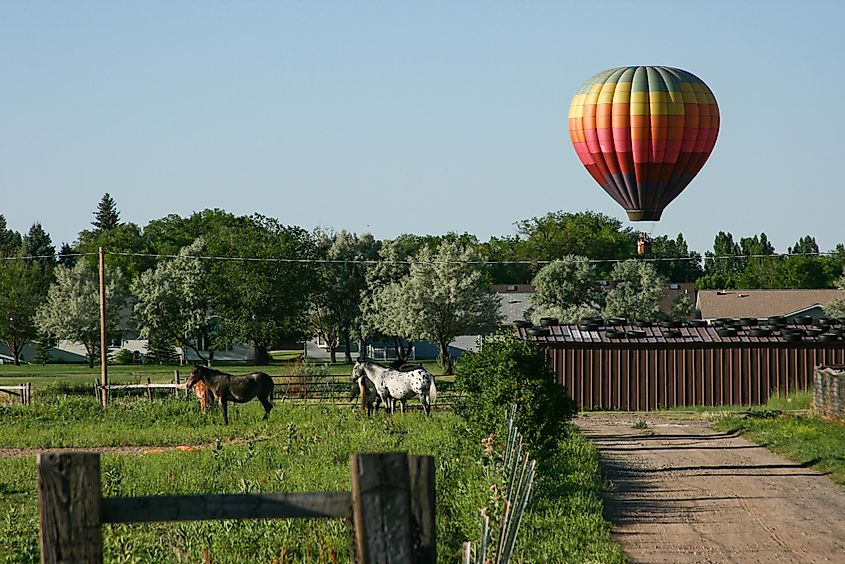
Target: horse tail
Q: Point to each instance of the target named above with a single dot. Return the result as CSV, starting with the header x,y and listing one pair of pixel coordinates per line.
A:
x,y
432,392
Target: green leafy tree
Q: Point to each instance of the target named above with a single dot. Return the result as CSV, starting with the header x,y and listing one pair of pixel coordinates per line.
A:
x,y
10,241
122,244
391,267
173,303
635,291
686,266
567,289
589,234
510,371
805,246
106,217
266,300
443,296
507,264
72,308
21,292
160,350
723,265
836,306
682,307
337,303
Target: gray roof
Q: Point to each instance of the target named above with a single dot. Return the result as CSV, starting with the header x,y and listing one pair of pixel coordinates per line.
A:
x,y
760,303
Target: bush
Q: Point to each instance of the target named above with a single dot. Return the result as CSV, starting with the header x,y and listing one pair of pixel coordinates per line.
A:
x,y
123,356
510,371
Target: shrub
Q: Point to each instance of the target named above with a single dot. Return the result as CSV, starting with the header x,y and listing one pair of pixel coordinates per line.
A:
x,y
510,371
123,356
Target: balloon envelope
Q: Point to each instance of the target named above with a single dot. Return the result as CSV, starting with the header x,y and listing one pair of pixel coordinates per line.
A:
x,y
643,133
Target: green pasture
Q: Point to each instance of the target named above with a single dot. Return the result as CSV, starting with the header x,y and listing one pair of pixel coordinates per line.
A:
x,y
298,449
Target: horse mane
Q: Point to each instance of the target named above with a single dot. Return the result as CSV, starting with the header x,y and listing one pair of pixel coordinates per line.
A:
x,y
207,370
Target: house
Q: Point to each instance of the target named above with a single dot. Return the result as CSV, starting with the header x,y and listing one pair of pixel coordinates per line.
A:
x,y
762,304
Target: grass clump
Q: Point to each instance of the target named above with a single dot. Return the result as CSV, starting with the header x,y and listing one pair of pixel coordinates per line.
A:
x,y
802,437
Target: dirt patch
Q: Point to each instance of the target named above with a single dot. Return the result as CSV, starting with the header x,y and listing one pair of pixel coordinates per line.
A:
x,y
678,491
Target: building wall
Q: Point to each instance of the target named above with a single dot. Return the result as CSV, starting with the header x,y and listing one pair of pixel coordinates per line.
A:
x,y
647,377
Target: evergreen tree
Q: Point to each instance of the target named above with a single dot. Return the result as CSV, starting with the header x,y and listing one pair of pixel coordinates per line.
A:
x,y
10,241
65,257
37,243
161,351
106,217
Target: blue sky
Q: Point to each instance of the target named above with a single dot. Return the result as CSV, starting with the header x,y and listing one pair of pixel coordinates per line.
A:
x,y
395,117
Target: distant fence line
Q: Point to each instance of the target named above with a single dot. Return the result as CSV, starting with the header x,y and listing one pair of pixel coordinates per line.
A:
x,y
295,388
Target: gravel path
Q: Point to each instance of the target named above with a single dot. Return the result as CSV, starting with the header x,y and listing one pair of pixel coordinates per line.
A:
x,y
678,491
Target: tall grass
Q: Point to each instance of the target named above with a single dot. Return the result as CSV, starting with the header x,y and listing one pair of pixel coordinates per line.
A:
x,y
297,449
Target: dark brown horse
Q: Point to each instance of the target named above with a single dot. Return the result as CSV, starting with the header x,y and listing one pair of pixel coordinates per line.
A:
x,y
239,389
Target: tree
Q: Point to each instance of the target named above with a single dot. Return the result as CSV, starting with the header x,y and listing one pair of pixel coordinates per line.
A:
x,y
682,307
106,217
66,255
392,266
722,266
173,302
337,303
21,292
635,292
687,264
510,371
10,241
567,289
836,306
443,296
122,243
37,243
805,246
589,234
72,308
266,300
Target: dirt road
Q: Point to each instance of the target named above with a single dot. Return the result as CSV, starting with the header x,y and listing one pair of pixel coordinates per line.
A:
x,y
681,492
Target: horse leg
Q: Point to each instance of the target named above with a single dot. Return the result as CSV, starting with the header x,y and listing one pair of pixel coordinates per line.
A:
x,y
225,406
425,403
267,406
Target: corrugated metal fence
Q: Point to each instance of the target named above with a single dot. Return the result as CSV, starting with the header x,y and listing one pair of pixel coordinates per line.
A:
x,y
654,373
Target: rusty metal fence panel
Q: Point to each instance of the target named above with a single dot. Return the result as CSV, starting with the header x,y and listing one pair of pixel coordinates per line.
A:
x,y
656,375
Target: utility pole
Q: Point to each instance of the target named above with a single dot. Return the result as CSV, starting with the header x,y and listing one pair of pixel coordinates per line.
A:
x,y
104,371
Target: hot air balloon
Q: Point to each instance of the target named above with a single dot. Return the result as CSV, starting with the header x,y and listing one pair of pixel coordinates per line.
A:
x,y
643,133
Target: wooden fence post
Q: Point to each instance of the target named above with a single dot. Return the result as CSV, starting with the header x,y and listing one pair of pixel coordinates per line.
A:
x,y
69,507
149,390
392,508
177,382
421,480
28,393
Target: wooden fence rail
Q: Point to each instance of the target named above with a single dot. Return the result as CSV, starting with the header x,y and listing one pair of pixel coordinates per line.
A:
x,y
23,391
391,507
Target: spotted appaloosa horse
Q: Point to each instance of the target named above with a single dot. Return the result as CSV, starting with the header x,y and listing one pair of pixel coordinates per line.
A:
x,y
393,385
238,389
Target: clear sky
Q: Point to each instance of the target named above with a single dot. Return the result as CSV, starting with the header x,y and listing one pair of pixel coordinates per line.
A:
x,y
397,117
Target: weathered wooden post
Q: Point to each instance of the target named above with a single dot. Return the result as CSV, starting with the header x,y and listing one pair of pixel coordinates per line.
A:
x,y
69,507
176,381
28,393
393,508
149,390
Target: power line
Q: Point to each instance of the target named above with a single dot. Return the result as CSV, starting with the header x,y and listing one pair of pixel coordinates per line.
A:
x,y
482,262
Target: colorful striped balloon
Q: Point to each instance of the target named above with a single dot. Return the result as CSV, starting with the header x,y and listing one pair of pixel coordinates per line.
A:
x,y
643,133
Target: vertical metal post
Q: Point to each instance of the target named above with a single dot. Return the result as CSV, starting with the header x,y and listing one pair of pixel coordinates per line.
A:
x,y
104,371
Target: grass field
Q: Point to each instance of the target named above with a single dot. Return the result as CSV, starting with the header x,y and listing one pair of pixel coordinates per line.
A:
x,y
298,449
797,435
